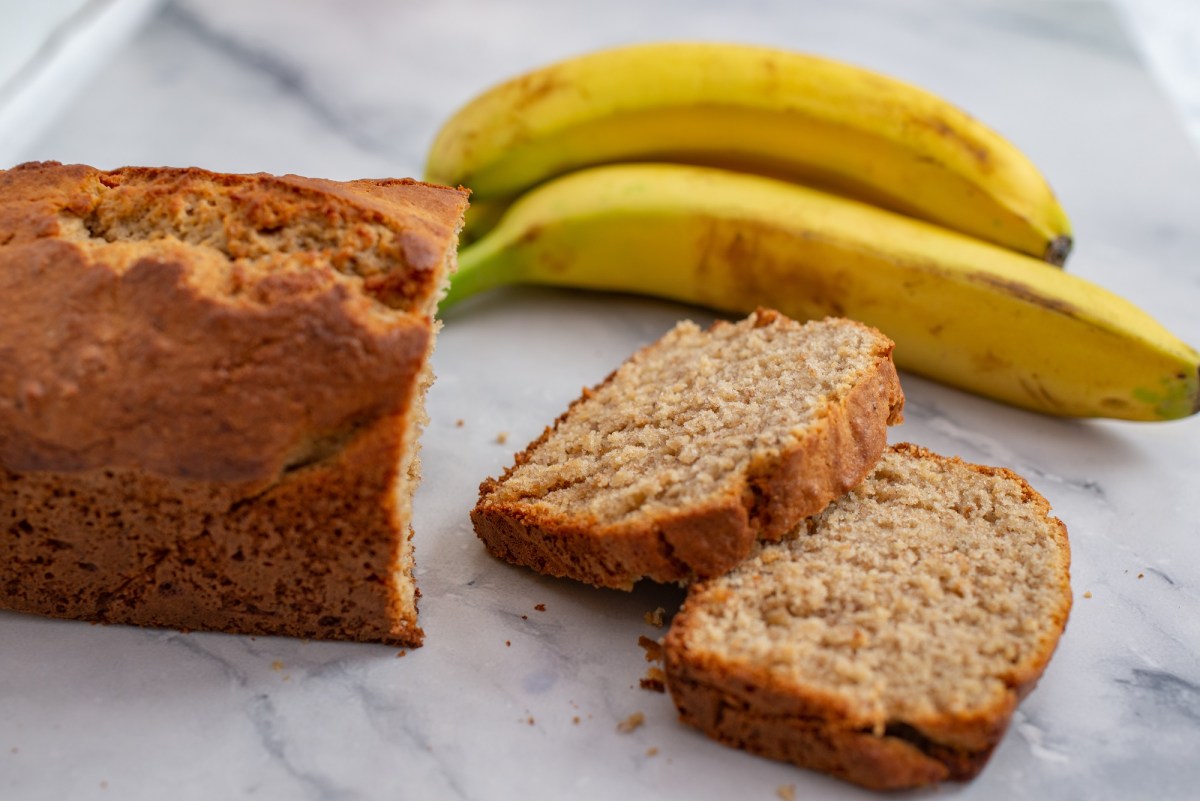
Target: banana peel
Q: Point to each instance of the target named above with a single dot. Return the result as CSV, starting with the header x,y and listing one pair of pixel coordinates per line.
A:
x,y
788,115
962,312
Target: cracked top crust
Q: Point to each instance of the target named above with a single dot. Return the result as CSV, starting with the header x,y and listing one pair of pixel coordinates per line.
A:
x,y
207,326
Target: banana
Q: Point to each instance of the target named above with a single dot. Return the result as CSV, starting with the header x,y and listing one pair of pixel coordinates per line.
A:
x,y
961,311
777,113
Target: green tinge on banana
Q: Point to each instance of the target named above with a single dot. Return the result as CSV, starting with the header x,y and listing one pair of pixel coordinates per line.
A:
x,y
961,311
782,114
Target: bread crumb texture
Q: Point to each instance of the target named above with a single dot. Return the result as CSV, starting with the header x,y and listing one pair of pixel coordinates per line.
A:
x,y
685,417
926,590
239,231
631,723
654,680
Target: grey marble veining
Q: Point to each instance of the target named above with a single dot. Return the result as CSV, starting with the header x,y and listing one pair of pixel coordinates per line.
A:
x,y
509,702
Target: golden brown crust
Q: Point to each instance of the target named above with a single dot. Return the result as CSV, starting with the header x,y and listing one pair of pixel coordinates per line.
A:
x,y
142,354
832,458
191,362
147,352
703,540
308,555
36,194
747,706
746,713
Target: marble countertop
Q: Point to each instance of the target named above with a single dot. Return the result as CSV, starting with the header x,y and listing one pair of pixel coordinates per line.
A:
x,y
520,688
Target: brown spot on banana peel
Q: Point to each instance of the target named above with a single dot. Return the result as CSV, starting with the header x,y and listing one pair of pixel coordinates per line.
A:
x,y
530,235
978,151
990,361
728,247
732,248
1023,292
536,87
1115,405
1057,249
553,259
531,90
548,260
1036,390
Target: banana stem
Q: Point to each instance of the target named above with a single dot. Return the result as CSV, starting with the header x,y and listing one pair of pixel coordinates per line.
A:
x,y
480,268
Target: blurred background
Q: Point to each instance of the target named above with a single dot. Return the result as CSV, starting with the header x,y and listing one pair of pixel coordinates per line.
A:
x,y
58,56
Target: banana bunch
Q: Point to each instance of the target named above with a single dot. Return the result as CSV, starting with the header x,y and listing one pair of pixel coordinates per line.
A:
x,y
735,177
788,115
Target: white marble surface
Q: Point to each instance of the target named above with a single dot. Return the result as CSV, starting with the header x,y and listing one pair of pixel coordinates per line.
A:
x,y
49,51
507,702
1167,33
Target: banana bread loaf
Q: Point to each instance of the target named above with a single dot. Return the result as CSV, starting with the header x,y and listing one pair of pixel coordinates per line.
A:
x,y
694,448
891,640
211,390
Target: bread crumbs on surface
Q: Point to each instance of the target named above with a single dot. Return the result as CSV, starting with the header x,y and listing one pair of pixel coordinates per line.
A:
x,y
1141,575
654,680
653,649
459,423
786,791
277,665
655,618
508,643
540,607
631,723
575,720
530,720
1087,594
401,654
502,438
651,751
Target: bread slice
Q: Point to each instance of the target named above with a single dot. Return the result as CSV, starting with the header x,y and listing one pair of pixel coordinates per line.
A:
x,y
694,448
889,643
211,390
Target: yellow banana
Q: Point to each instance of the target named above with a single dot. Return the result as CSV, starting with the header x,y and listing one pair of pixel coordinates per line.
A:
x,y
961,311
772,112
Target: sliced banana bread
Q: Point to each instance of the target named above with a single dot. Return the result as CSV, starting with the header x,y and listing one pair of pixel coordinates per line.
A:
x,y
211,389
697,446
889,642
